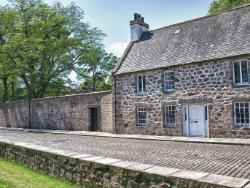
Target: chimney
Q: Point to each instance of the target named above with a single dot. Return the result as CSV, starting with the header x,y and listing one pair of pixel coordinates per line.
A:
x,y
137,27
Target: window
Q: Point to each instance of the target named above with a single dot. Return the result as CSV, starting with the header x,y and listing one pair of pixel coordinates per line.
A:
x,y
169,81
142,116
170,116
141,84
240,72
242,114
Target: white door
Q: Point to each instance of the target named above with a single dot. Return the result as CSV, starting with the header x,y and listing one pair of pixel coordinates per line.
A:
x,y
196,120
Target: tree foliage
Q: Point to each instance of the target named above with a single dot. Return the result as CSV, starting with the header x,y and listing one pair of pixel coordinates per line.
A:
x,y
94,69
40,45
218,6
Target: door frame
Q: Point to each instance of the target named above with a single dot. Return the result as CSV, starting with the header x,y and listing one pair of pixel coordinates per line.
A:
x,y
186,122
98,117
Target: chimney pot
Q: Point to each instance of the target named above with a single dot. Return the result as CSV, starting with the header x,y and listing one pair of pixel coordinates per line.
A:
x,y
135,16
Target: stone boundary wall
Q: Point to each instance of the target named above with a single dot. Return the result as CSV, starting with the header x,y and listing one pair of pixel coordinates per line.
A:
x,y
70,112
96,171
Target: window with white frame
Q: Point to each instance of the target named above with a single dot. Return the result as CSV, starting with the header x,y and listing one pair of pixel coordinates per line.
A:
x,y
142,116
169,81
240,72
141,84
242,114
170,119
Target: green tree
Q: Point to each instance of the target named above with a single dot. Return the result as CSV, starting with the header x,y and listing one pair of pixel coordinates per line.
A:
x,y
218,6
95,68
6,71
47,43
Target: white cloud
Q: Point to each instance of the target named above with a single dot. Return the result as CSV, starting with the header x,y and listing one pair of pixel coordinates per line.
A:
x,y
118,48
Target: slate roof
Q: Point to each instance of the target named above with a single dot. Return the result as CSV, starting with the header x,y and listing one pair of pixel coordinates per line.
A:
x,y
211,37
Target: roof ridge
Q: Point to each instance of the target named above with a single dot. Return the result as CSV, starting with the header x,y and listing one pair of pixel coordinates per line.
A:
x,y
200,18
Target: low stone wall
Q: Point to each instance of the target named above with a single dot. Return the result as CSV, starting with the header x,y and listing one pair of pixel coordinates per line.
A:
x,y
64,113
95,171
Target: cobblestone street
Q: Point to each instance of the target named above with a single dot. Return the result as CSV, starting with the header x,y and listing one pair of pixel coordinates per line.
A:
x,y
229,160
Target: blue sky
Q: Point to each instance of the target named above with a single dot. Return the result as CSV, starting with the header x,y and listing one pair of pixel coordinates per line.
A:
x,y
113,16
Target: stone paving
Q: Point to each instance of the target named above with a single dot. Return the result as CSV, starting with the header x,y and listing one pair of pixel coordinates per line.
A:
x,y
221,159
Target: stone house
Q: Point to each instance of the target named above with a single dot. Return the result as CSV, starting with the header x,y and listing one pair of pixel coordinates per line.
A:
x,y
186,79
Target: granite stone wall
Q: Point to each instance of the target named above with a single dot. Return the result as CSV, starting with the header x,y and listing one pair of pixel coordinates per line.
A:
x,y
208,83
63,113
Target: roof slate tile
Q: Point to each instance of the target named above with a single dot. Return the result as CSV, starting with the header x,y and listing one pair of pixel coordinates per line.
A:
x,y
212,37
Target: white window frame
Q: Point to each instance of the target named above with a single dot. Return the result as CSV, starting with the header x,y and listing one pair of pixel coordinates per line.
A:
x,y
165,81
167,124
143,86
141,110
241,78
235,121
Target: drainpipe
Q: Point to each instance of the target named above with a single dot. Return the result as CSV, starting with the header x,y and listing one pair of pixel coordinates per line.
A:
x,y
114,101
29,126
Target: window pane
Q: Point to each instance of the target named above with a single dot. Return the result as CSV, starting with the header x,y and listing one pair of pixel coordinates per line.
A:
x,y
142,116
169,80
244,71
237,72
139,83
242,114
170,115
144,83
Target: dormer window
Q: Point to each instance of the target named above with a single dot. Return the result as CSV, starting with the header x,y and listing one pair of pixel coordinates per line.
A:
x,y
241,76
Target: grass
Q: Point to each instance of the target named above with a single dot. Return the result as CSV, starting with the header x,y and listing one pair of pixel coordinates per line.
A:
x,y
16,176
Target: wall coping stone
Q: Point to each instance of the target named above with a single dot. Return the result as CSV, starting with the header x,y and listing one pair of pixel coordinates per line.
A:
x,y
187,174
164,171
108,161
204,177
81,156
140,167
124,164
224,180
92,158
55,97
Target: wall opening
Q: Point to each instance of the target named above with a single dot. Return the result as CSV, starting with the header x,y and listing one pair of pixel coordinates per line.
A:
x,y
94,118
